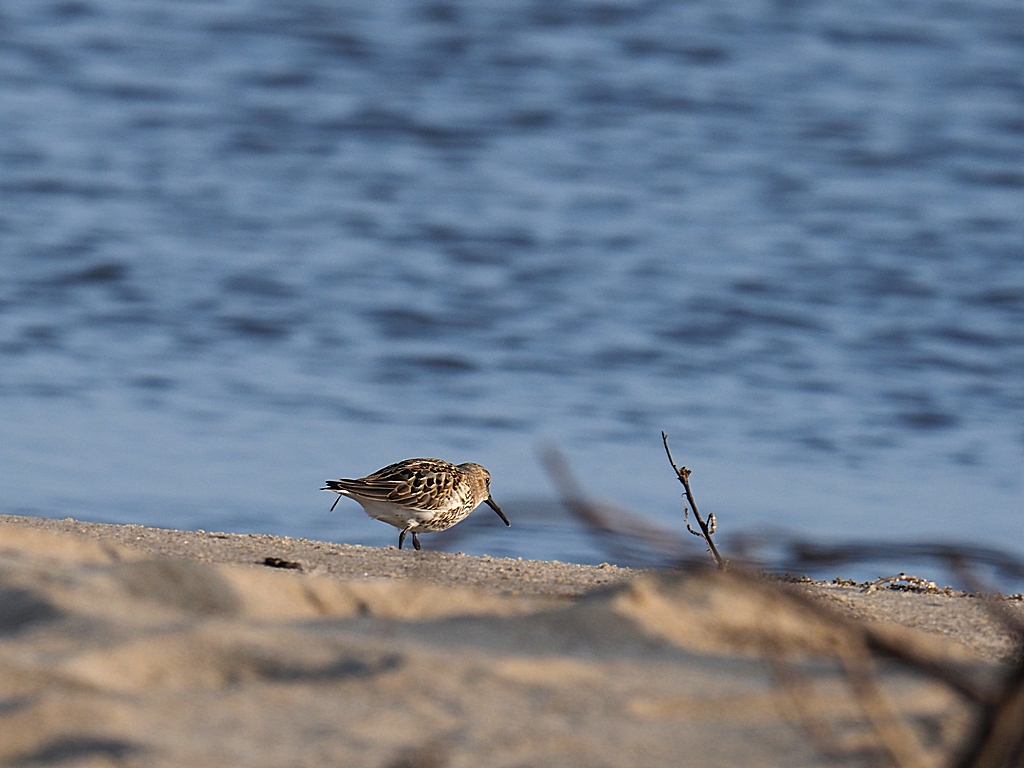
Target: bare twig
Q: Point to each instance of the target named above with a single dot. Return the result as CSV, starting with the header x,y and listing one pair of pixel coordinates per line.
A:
x,y
705,530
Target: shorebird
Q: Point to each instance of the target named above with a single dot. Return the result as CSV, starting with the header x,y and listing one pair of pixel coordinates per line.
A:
x,y
419,495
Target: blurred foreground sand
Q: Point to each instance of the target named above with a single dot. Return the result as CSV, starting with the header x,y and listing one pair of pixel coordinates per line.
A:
x,y
124,645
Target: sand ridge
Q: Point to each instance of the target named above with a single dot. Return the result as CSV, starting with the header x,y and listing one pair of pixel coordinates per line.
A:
x,y
124,645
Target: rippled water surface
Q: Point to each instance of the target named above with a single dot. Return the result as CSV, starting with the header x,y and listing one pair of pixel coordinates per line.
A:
x,y
246,246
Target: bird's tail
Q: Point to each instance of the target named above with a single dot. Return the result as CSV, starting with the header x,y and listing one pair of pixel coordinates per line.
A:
x,y
334,485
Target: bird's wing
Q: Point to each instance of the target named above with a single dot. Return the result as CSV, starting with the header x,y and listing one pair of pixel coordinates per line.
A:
x,y
424,484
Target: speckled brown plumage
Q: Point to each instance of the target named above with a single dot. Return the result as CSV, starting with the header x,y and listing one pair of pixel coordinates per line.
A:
x,y
420,495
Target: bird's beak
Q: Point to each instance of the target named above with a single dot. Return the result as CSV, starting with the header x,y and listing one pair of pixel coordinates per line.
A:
x,y
490,503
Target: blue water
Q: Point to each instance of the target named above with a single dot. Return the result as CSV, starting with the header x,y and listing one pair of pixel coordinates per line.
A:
x,y
247,246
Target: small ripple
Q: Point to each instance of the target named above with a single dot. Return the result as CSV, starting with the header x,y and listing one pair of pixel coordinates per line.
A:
x,y
42,336
869,34
953,363
617,358
723,326
260,286
48,185
1000,298
534,119
445,363
999,178
491,248
265,131
262,329
342,44
153,383
132,92
703,333
894,283
482,423
405,369
278,80
818,443
103,272
927,420
962,336
49,390
405,323
700,55
442,364
72,9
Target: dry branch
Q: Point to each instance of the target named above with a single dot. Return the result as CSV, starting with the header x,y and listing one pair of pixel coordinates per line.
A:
x,y
706,528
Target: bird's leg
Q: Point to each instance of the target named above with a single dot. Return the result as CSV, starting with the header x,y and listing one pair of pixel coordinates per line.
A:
x,y
415,540
401,538
335,502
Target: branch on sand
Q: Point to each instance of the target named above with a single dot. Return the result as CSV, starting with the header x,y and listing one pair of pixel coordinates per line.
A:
x,y
706,528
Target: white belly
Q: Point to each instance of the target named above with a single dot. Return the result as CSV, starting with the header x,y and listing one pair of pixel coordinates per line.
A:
x,y
392,514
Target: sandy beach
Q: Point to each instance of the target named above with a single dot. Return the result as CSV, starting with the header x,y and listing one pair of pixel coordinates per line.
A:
x,y
126,645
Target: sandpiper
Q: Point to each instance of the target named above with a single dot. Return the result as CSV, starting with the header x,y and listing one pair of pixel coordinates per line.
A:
x,y
419,495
